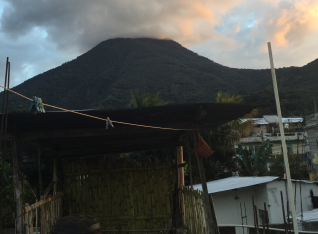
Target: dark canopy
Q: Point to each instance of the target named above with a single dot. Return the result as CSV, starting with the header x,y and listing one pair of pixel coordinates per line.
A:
x,y
68,134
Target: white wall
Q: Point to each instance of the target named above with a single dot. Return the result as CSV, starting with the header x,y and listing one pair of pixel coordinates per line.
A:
x,y
276,213
227,203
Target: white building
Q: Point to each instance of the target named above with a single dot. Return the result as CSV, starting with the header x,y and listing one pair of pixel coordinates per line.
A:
x,y
233,199
267,128
312,130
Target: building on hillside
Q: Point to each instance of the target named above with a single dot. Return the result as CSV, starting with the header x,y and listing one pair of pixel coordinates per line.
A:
x,y
311,128
232,198
267,128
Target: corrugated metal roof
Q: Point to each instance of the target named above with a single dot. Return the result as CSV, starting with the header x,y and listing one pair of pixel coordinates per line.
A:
x,y
241,182
271,118
293,120
309,216
234,183
259,121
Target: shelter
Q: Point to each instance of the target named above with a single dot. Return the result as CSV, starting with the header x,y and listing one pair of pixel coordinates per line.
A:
x,y
135,204
235,194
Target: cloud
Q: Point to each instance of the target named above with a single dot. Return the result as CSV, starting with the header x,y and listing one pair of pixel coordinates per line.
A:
x,y
86,23
243,32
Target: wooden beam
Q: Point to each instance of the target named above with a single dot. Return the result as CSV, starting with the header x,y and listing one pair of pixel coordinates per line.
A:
x,y
42,202
206,198
119,129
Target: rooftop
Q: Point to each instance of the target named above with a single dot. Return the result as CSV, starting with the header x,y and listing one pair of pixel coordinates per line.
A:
x,y
239,182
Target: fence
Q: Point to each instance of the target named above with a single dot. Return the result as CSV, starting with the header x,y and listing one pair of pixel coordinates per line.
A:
x,y
135,197
50,209
194,213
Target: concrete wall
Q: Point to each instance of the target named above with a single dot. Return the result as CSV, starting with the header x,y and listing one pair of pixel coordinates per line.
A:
x,y
227,205
276,215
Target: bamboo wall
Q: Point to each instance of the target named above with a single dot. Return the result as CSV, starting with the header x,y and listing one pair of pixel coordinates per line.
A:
x,y
194,213
135,197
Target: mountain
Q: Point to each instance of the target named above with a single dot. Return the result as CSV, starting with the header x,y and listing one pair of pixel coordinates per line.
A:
x,y
104,76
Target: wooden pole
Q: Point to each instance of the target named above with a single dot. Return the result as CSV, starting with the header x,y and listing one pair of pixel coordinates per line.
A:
x,y
189,159
39,168
279,113
181,170
266,220
17,185
54,177
205,190
283,208
255,216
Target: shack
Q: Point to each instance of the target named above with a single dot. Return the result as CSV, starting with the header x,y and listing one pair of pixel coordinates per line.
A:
x,y
131,198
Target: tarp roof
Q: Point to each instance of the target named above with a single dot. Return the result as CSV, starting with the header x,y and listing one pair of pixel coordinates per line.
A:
x,y
69,134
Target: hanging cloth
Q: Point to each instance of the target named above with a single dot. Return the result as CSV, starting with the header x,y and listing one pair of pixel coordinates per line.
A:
x,y
36,105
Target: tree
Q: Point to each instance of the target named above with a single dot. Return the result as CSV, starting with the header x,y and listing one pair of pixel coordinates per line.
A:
x,y
257,165
227,98
298,170
244,126
146,100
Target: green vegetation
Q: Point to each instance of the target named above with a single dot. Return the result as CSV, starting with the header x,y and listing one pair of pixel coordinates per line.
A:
x,y
145,100
298,169
256,165
7,195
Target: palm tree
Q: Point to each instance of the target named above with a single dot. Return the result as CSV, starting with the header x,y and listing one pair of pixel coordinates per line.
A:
x,y
243,126
146,100
257,165
227,98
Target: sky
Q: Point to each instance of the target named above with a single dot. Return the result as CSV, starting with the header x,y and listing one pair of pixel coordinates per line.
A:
x,y
38,35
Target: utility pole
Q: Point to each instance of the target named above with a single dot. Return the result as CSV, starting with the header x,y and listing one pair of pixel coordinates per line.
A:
x,y
281,127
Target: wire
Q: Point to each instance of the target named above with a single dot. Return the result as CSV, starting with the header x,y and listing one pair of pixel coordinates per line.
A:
x,y
91,116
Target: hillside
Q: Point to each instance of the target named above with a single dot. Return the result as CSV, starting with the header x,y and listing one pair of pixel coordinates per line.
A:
x,y
105,75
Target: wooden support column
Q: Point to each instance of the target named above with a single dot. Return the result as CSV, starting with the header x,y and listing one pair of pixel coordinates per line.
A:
x,y
17,185
205,190
181,170
39,168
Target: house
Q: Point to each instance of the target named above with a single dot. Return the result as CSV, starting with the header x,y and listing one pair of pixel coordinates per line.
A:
x,y
233,204
267,128
312,131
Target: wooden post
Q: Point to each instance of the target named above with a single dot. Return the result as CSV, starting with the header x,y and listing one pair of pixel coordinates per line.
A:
x,y
205,190
255,216
189,158
39,168
181,170
281,128
54,176
266,220
283,208
17,185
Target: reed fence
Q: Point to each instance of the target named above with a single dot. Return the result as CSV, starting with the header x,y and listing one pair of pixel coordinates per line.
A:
x,y
193,210
132,196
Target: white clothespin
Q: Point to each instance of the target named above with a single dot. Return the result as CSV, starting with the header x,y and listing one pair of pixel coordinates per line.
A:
x,y
108,122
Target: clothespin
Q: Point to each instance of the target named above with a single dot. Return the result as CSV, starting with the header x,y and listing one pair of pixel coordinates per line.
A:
x,y
36,105
108,122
